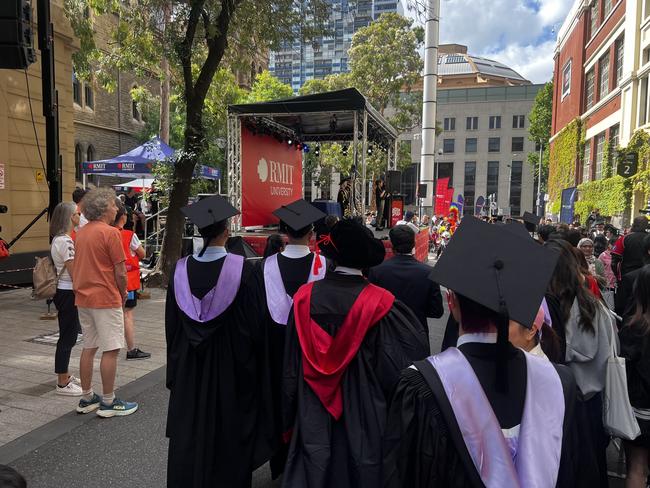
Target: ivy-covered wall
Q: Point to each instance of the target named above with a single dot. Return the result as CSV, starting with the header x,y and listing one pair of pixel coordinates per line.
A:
x,y
565,150
610,195
640,143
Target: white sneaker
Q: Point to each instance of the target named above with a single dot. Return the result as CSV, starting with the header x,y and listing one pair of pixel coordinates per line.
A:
x,y
71,389
75,380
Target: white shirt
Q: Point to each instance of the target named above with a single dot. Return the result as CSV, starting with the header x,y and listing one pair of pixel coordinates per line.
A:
x,y
82,221
62,250
295,251
135,244
212,253
348,271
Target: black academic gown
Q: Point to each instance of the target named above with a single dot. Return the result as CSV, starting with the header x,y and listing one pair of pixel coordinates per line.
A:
x,y
295,273
419,442
220,402
346,453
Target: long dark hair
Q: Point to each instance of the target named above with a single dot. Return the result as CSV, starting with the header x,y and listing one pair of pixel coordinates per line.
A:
x,y
641,317
566,285
551,345
274,244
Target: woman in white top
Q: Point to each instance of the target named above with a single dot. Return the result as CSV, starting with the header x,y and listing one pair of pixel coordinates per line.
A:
x,y
538,340
64,218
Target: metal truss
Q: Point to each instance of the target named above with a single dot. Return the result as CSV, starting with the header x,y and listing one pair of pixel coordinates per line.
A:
x,y
234,168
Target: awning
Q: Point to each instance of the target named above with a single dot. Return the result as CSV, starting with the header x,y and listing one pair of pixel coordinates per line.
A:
x,y
138,184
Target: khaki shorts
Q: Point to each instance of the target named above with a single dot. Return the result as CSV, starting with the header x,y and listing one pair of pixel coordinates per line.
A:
x,y
103,328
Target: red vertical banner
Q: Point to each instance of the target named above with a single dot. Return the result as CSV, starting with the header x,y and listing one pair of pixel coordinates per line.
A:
x,y
271,177
449,196
441,194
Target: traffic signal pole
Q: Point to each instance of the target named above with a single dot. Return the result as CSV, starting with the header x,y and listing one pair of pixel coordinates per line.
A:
x,y
50,104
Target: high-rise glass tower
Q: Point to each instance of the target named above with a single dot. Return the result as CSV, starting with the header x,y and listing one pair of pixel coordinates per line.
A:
x,y
299,61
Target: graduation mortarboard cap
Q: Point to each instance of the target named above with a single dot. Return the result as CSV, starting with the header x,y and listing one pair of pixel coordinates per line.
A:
x,y
530,218
500,270
516,228
489,264
299,214
209,211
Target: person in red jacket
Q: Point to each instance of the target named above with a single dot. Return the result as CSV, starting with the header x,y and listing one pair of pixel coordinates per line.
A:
x,y
133,251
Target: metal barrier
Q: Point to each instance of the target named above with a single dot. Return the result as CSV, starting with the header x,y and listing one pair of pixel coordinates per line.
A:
x,y
159,229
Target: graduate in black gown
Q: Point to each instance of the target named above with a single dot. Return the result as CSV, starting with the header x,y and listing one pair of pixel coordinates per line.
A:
x,y
485,414
273,285
347,341
216,364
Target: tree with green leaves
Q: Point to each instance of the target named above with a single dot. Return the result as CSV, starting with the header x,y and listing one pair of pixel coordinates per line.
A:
x,y
539,130
267,87
204,36
385,62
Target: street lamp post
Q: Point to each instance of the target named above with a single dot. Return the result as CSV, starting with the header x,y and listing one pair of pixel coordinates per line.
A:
x,y
538,209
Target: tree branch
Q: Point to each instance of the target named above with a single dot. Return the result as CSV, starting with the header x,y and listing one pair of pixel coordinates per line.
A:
x,y
185,51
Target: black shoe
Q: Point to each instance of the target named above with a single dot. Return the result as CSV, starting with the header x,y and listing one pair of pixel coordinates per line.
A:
x,y
136,353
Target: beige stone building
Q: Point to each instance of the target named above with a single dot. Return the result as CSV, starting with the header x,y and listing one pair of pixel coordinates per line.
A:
x,y
22,183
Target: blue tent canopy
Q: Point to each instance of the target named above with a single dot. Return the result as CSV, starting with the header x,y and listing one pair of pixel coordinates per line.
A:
x,y
138,162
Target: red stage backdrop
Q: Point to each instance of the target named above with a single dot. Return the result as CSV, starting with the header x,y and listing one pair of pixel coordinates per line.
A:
x,y
271,177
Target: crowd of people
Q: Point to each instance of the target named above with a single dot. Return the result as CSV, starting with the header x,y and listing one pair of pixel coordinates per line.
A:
x,y
319,361
96,256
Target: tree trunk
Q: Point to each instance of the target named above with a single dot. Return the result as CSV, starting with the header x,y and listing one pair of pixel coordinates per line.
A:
x,y
164,85
183,172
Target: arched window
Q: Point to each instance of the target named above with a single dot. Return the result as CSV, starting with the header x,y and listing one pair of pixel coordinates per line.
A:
x,y
134,108
78,159
90,153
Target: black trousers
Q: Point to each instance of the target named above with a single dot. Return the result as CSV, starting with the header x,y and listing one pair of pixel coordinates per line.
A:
x,y
69,327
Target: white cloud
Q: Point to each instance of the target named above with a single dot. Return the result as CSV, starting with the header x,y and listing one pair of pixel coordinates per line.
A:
x,y
518,33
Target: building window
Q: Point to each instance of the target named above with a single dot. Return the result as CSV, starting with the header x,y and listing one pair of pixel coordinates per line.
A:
x,y
494,144
78,159
517,144
90,153
566,79
446,170
515,187
619,61
613,137
469,187
607,8
76,89
586,164
646,10
135,113
89,96
495,121
472,123
493,179
603,76
643,101
448,145
518,121
600,149
471,144
589,92
450,123
593,15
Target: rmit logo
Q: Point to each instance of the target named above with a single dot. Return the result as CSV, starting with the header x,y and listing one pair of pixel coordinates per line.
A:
x,y
275,172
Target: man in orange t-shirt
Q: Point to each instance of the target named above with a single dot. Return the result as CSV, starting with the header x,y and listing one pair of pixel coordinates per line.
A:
x,y
100,288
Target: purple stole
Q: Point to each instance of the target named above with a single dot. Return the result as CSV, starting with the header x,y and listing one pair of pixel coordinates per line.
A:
x,y
218,299
539,446
278,301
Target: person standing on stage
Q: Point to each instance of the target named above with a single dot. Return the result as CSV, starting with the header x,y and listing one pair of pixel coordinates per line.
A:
x,y
346,342
344,197
380,200
272,289
485,413
407,278
215,367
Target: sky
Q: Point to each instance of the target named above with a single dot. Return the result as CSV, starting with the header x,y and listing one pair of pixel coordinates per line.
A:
x,y
519,33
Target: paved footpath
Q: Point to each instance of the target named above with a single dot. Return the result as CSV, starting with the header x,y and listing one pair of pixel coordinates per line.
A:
x,y
27,379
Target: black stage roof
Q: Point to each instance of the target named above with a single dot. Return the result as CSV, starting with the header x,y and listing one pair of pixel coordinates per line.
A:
x,y
323,117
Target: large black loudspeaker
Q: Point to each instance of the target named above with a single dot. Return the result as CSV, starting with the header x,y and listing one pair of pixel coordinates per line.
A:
x,y
16,36
422,190
394,182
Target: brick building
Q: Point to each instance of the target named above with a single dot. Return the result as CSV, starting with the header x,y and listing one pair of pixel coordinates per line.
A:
x,y
602,61
106,123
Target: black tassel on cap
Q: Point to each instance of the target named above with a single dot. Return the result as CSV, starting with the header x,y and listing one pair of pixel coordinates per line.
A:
x,y
206,240
502,335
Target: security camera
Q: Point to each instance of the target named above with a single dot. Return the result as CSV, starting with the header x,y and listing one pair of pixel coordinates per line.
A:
x,y
439,152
